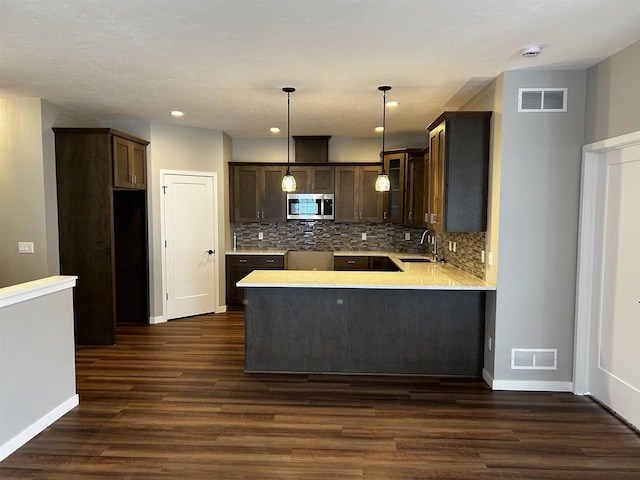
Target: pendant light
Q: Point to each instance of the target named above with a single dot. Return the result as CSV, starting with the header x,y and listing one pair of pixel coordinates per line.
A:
x,y
288,182
382,182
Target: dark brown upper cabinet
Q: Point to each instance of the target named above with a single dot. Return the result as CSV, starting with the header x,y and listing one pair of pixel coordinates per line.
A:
x,y
396,164
458,172
257,193
356,196
129,163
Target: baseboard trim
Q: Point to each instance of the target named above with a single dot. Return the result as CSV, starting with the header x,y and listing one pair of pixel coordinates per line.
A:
x,y
23,437
160,319
487,378
526,385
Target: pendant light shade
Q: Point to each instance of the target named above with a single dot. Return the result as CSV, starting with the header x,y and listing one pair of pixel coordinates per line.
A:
x,y
382,182
288,182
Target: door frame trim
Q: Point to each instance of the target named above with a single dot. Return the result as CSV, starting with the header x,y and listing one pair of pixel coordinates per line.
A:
x,y
163,260
593,159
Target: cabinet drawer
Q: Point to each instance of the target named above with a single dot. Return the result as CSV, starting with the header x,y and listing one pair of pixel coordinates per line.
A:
x,y
351,263
262,261
270,261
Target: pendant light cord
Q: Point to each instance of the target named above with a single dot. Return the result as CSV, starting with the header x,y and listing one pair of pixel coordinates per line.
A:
x,y
288,128
384,117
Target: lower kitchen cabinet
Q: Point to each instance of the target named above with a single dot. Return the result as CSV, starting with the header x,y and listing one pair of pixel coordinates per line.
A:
x,y
364,263
351,263
239,266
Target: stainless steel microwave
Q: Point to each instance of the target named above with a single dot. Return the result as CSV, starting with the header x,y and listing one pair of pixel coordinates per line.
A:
x,y
310,206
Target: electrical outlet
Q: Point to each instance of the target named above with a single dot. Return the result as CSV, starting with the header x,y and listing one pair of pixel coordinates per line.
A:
x,y
490,258
450,248
364,236
260,236
407,236
489,343
482,256
455,246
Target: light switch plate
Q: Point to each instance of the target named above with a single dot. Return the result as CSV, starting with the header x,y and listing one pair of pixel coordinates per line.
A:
x,y
25,247
260,236
364,236
407,236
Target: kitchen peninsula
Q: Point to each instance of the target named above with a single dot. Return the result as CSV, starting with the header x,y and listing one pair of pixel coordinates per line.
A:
x,y
426,319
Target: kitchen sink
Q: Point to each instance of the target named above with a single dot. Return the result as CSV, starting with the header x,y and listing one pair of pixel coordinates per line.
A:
x,y
415,259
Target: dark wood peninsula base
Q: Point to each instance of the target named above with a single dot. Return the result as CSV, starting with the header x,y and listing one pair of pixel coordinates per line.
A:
x,y
364,331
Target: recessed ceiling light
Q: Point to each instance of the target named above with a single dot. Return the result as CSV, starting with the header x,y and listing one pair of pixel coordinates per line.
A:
x,y
274,130
531,51
379,129
177,113
392,103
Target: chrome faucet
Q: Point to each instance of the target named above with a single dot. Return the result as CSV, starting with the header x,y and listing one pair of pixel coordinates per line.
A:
x,y
434,251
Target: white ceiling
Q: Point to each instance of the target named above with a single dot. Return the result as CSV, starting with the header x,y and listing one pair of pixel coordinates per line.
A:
x,y
224,62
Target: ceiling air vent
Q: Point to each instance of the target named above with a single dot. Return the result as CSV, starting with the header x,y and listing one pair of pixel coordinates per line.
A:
x,y
542,99
534,359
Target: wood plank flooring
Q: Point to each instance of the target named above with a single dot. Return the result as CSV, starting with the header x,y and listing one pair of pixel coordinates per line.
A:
x,y
171,401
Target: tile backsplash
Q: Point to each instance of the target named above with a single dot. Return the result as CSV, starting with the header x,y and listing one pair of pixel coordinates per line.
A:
x,y
322,235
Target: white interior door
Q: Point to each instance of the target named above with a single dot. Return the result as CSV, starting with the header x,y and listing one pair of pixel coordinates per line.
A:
x,y
614,363
190,244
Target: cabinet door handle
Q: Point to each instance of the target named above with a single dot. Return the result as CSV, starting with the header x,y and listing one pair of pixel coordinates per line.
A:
x,y
270,261
243,260
351,262
384,215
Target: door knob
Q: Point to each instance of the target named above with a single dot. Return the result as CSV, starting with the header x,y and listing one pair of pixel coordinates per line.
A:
x,y
210,252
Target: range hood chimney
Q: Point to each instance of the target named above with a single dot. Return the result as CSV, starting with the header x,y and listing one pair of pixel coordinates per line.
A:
x,y
311,148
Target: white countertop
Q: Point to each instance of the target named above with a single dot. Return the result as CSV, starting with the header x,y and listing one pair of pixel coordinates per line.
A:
x,y
36,288
415,275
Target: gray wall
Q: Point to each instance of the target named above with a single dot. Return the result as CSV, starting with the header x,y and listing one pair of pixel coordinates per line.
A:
x,y
536,161
37,361
491,99
176,147
341,149
613,100
28,205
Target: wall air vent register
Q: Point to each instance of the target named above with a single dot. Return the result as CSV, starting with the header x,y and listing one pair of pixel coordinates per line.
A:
x,y
542,100
534,359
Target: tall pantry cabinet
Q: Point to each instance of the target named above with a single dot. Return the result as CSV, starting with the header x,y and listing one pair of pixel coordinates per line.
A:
x,y
102,223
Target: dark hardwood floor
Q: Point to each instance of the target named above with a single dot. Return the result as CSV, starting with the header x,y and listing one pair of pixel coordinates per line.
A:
x,y
171,401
